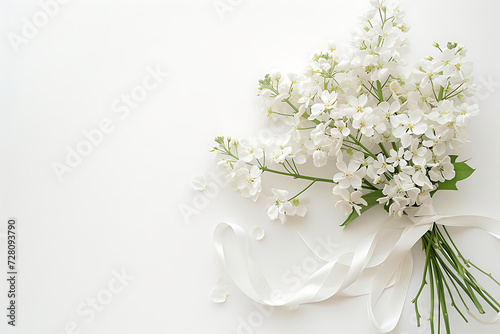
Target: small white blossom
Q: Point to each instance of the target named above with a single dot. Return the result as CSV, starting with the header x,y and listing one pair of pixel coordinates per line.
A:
x,y
349,175
248,182
443,171
396,158
408,124
465,112
298,207
278,205
249,150
443,113
329,101
349,201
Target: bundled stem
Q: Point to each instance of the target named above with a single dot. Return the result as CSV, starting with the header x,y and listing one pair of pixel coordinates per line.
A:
x,y
445,264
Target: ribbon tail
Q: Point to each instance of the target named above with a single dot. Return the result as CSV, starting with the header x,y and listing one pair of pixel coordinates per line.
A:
x,y
490,225
239,265
493,320
399,264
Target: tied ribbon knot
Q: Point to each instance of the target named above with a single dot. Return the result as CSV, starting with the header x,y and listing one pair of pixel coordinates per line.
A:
x,y
391,274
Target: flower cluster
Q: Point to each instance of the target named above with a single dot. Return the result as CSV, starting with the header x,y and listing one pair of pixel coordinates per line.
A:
x,y
386,132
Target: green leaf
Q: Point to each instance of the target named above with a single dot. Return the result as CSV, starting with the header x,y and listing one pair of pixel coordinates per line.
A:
x,y
462,171
371,200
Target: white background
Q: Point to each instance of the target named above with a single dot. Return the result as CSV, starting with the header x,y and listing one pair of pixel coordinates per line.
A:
x,y
119,208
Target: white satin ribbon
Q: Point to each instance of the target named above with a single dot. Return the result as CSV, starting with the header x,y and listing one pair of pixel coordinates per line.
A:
x,y
393,271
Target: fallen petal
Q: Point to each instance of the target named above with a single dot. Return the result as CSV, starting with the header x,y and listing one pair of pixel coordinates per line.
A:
x,y
219,295
258,232
199,182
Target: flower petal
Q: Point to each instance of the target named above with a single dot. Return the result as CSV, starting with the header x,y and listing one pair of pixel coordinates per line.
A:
x,y
258,232
219,293
199,182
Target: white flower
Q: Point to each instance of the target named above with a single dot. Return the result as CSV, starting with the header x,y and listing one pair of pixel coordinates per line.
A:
x,y
231,169
399,204
365,161
449,58
321,147
248,182
318,152
382,166
349,175
365,124
429,72
329,101
308,89
358,106
340,129
349,201
418,175
278,205
443,113
408,124
249,150
416,153
389,110
465,112
396,158
297,207
280,149
424,198
437,138
401,191
443,171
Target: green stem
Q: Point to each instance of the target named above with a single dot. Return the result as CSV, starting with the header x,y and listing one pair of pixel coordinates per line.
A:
x,y
281,114
370,185
291,167
297,176
445,262
313,182
441,295
434,90
370,91
441,92
431,279
424,282
450,96
453,304
453,243
483,272
453,91
362,146
287,100
465,287
291,105
384,151
379,91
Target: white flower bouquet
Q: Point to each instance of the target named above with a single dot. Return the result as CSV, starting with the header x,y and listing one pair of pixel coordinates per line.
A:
x,y
387,134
